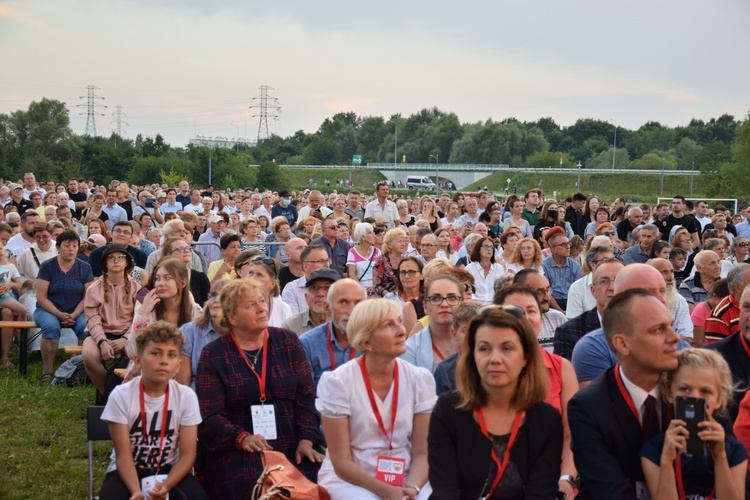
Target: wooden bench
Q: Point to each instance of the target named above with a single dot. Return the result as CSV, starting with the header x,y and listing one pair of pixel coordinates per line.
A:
x,y
24,354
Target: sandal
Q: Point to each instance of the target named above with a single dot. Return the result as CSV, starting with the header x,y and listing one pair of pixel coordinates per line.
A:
x,y
6,363
46,377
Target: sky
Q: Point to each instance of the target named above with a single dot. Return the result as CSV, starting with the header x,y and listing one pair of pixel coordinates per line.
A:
x,y
187,68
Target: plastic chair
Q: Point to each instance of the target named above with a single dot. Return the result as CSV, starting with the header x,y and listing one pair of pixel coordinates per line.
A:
x,y
96,430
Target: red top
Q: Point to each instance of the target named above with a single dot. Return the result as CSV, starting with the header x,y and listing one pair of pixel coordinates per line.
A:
x,y
553,362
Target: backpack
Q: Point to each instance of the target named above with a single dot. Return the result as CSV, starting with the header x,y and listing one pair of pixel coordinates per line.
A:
x,y
71,373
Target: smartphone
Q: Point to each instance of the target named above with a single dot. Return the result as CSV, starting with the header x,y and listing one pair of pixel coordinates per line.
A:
x,y
150,202
692,411
141,295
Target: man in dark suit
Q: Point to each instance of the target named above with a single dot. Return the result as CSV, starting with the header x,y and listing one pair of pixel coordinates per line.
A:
x,y
736,352
602,288
611,417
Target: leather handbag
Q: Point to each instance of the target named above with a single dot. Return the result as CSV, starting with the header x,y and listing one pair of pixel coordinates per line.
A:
x,y
281,480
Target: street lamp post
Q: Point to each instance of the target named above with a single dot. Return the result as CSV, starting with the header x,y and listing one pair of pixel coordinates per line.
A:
x,y
579,175
437,172
236,140
614,146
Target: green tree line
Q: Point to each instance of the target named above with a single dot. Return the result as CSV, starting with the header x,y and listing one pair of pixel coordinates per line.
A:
x,y
39,139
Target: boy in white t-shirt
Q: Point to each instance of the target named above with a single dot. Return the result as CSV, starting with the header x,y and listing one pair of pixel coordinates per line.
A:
x,y
10,280
151,467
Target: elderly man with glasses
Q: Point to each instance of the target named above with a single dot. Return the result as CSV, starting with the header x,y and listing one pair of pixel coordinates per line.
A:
x,y
313,258
216,229
560,269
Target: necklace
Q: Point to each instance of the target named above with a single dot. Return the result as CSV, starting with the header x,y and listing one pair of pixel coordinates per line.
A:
x,y
255,358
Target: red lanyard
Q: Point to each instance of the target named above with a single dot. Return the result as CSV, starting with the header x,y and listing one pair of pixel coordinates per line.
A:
x,y
164,423
437,351
262,377
680,485
394,401
501,466
329,341
629,400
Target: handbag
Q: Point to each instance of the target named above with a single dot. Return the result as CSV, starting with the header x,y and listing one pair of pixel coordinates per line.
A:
x,y
282,480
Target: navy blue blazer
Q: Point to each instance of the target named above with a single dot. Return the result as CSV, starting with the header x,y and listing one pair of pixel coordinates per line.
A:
x,y
570,332
734,353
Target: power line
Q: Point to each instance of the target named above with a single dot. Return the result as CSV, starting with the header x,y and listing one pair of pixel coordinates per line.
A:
x,y
266,103
91,106
118,121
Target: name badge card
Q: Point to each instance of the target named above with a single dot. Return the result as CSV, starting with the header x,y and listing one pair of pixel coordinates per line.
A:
x,y
264,420
390,470
641,491
149,483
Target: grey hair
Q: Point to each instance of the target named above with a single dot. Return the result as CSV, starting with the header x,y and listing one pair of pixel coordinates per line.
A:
x,y
594,253
652,228
736,274
170,226
360,230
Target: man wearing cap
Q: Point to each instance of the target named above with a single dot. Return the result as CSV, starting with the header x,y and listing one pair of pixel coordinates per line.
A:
x,y
17,200
327,346
316,296
284,207
114,211
336,248
381,205
216,226
313,257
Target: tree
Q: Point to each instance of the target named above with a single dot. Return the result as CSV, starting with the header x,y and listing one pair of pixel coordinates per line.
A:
x,y
687,151
322,151
549,159
654,161
604,160
270,177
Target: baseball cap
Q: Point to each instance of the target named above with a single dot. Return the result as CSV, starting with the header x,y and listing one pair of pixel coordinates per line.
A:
x,y
15,186
96,240
325,273
214,218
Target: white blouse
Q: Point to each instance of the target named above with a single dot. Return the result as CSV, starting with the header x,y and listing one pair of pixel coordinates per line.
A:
x,y
485,285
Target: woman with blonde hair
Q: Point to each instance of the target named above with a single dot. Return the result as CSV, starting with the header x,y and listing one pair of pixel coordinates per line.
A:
x,y
383,274
376,411
496,433
526,255
429,213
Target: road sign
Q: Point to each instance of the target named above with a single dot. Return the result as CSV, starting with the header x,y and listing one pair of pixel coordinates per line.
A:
x,y
357,160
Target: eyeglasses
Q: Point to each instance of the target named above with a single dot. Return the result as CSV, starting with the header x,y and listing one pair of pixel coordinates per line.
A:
x,y
516,311
487,247
116,258
566,244
608,233
181,249
321,262
436,300
221,222
124,232
335,228
213,295
469,287
408,272
42,237
543,291
317,288
604,281
742,245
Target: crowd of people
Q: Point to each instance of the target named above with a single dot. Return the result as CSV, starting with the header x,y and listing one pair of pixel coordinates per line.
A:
x,y
398,347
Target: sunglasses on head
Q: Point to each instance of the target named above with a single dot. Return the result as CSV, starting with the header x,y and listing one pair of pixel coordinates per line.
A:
x,y
516,311
265,260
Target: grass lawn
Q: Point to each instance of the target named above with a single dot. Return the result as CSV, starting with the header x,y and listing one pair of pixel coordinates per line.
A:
x,y
43,436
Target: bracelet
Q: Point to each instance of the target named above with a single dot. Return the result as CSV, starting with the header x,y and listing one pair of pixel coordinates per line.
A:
x,y
99,344
569,479
414,487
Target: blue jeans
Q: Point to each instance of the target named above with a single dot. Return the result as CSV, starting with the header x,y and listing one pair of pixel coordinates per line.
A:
x,y
50,325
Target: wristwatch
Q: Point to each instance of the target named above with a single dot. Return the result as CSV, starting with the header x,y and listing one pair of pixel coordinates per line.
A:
x,y
572,480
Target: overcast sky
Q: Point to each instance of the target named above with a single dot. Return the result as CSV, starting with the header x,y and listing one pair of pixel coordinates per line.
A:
x,y
187,67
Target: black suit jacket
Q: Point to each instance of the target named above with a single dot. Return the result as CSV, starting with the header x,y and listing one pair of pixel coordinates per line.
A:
x,y
733,351
570,332
606,441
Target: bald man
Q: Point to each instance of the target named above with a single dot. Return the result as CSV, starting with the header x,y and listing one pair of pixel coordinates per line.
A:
x,y
591,355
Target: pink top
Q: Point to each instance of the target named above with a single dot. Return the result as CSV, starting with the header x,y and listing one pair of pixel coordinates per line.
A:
x,y
700,314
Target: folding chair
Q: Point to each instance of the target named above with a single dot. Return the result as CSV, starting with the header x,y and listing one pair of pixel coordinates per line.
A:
x,y
96,430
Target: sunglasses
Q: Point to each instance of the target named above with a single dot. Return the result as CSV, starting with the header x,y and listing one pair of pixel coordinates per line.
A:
x,y
265,260
516,311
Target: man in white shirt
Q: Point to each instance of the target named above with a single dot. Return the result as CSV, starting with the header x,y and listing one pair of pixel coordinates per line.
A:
x,y
580,298
382,206
30,185
701,207
195,204
472,211
551,318
316,208
313,257
23,240
266,205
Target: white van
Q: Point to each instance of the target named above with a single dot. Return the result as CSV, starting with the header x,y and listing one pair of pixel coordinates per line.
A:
x,y
419,182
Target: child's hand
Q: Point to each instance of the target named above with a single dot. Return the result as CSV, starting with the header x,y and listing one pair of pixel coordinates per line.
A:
x,y
713,433
159,492
675,441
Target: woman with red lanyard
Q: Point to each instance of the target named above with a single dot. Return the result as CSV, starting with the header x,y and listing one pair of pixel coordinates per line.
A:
x,y
255,393
495,437
376,412
562,383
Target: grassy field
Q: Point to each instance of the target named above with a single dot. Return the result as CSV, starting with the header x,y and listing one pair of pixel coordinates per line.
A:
x,y
43,437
